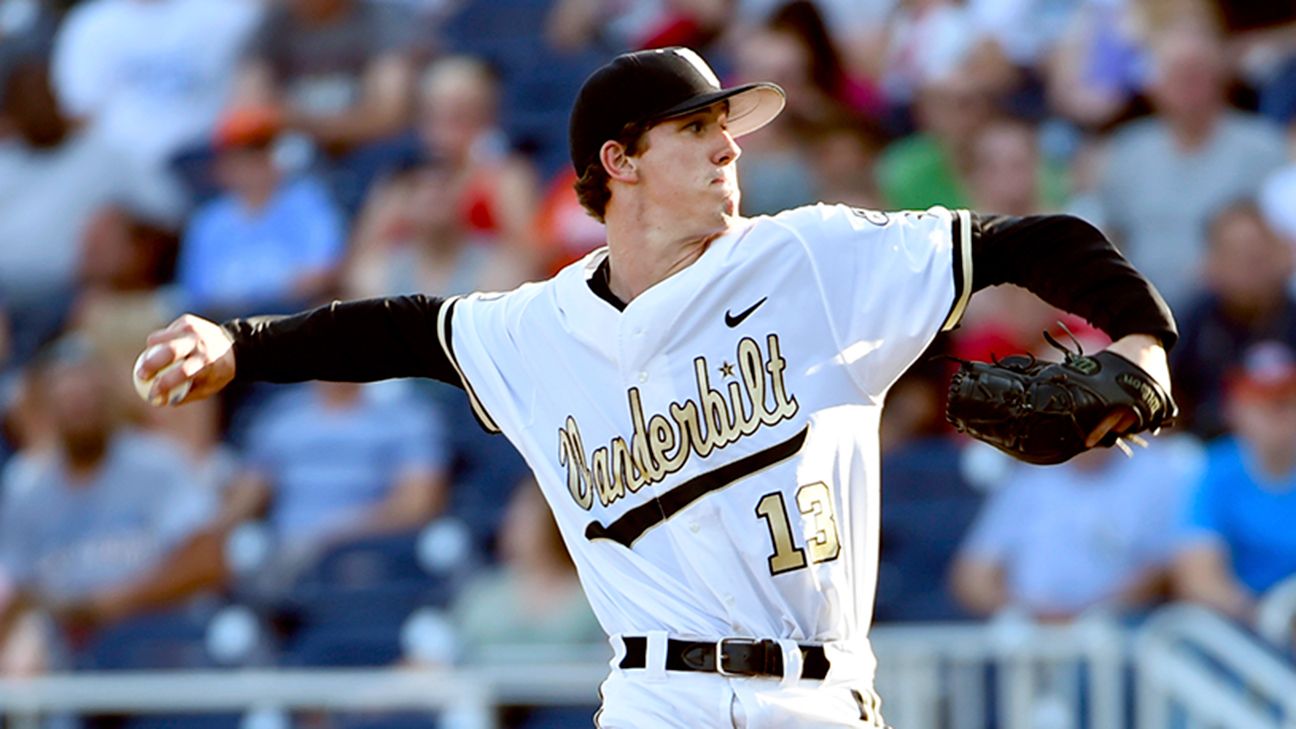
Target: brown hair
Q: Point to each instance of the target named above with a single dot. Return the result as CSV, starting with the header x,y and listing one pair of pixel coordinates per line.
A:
x,y
592,186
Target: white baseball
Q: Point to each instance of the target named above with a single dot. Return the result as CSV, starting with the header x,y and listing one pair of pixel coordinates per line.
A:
x,y
142,386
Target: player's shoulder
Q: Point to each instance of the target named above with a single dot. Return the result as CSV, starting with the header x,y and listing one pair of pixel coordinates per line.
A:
x,y
825,218
514,305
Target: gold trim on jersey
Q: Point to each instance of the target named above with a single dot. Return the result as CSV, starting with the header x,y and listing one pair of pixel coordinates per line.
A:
x,y
661,444
443,336
962,240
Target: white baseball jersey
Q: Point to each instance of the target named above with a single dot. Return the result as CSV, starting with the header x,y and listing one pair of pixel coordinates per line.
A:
x,y
711,451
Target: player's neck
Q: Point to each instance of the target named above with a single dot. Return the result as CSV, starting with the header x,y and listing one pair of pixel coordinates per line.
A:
x,y
644,250
637,263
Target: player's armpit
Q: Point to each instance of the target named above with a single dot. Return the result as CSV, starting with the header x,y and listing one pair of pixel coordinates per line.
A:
x,y
353,341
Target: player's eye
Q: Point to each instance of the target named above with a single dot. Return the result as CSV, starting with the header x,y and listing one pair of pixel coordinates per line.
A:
x,y
694,126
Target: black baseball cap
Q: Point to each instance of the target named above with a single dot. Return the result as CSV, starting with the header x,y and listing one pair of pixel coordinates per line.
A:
x,y
644,87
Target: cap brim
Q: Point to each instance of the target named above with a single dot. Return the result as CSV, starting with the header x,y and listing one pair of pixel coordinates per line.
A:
x,y
751,106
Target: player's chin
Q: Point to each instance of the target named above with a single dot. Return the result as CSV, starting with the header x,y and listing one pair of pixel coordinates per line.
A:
x,y
729,203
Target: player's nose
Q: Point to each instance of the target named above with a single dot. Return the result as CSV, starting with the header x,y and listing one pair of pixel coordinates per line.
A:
x,y
729,150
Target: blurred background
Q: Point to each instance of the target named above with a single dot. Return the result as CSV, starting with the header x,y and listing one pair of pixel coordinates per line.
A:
x,y
230,157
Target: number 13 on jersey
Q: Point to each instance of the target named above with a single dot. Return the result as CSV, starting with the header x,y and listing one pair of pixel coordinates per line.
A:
x,y
814,501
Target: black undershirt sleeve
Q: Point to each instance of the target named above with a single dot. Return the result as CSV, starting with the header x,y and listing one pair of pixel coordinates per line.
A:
x,y
354,341
1073,266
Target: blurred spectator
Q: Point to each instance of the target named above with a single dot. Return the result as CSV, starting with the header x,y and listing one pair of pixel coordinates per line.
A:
x,y
818,84
566,231
927,40
1097,531
53,180
332,462
1278,194
928,167
269,243
26,29
342,70
1008,177
105,523
411,239
775,171
6,349
858,27
1245,301
1165,176
824,116
1240,540
1025,31
115,322
1262,42
534,597
150,100
633,24
845,153
927,505
1099,65
124,251
459,123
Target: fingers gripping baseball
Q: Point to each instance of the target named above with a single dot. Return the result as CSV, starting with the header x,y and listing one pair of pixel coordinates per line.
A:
x,y
190,359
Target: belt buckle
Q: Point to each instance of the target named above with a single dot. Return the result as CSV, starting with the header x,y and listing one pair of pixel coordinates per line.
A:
x,y
719,655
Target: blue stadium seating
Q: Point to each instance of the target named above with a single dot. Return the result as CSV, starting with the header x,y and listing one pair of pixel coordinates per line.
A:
x,y
927,507
160,640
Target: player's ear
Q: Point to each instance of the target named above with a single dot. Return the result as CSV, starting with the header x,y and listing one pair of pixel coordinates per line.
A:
x,y
618,165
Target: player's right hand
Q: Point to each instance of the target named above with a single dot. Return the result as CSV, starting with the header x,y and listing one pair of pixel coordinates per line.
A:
x,y
203,349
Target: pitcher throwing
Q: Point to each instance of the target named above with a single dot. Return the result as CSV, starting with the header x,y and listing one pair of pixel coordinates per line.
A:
x,y
699,399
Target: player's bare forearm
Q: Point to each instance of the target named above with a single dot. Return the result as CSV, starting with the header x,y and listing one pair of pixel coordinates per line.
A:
x,y
1146,351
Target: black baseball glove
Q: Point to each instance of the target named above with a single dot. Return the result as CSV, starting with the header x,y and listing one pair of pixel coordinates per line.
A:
x,y
1043,412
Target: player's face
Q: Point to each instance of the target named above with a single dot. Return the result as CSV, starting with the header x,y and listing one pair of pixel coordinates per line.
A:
x,y
688,168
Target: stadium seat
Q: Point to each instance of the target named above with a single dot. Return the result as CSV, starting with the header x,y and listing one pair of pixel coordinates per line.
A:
x,y
162,640
345,646
392,720
187,721
367,562
386,604
927,507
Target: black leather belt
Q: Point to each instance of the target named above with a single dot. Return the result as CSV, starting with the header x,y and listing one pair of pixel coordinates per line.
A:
x,y
727,657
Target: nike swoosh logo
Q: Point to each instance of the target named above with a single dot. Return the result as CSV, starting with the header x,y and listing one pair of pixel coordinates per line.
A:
x,y
734,321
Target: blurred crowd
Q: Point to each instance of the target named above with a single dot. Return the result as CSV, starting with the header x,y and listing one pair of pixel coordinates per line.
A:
x,y
231,157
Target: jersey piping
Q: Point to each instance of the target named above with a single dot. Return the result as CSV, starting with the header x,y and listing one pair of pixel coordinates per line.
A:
x,y
447,343
961,234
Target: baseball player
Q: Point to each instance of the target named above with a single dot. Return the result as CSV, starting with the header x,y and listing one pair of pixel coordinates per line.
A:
x,y
699,399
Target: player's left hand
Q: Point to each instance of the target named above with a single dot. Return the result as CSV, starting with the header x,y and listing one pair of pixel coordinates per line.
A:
x,y
1047,412
1145,351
